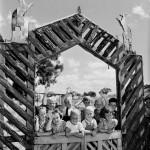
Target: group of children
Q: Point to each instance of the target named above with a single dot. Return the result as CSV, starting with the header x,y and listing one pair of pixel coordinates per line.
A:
x,y
72,121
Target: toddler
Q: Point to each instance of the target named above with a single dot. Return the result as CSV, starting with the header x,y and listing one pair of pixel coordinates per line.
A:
x,y
40,119
107,124
74,127
99,104
89,123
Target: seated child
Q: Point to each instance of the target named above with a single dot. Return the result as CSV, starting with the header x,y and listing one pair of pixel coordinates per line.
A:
x,y
40,120
87,102
89,123
74,127
68,108
99,104
56,124
107,124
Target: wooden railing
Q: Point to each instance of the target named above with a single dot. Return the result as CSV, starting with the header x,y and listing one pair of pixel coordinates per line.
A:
x,y
101,141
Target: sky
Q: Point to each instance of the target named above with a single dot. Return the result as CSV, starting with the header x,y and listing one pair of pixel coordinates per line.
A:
x,y
88,73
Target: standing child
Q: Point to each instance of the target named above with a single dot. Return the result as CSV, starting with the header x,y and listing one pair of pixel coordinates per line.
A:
x,y
74,127
40,120
56,125
107,124
99,104
89,123
87,102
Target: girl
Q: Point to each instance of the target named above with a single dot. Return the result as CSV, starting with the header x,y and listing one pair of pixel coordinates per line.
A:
x,y
74,127
107,124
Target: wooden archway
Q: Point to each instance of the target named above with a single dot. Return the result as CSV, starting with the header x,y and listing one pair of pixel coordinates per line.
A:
x,y
59,36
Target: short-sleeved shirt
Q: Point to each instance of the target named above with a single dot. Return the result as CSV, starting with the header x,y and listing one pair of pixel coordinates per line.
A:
x,y
73,127
107,125
89,125
60,127
42,126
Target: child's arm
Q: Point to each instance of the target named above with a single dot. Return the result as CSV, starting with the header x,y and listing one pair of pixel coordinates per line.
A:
x,y
101,127
37,126
49,125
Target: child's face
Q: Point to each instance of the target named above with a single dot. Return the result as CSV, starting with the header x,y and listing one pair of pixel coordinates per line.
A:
x,y
89,115
109,116
113,105
87,103
99,105
68,102
51,104
56,118
42,115
74,119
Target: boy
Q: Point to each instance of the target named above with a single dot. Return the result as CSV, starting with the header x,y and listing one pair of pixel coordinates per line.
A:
x,y
89,123
99,104
74,127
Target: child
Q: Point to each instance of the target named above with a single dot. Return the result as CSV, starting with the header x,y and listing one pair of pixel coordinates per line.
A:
x,y
74,127
87,102
40,120
56,125
51,104
107,124
89,123
99,104
68,108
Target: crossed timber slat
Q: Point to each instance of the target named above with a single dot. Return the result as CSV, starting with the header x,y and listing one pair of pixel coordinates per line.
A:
x,y
16,79
16,107
16,94
8,144
14,134
20,56
15,65
17,123
129,100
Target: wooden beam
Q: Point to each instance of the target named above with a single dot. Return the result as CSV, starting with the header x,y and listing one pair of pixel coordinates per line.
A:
x,y
16,108
14,135
16,94
16,66
8,144
17,123
16,79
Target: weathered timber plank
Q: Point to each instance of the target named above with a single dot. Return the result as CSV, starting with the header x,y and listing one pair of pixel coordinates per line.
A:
x,y
135,121
50,34
97,55
31,52
130,133
129,63
134,80
16,79
133,111
92,35
16,93
14,135
16,108
37,44
16,66
121,61
70,32
8,144
47,43
104,42
68,20
17,123
20,56
129,75
11,139
110,48
116,53
87,24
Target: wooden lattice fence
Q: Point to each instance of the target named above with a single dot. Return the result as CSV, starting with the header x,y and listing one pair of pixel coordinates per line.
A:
x,y
19,67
